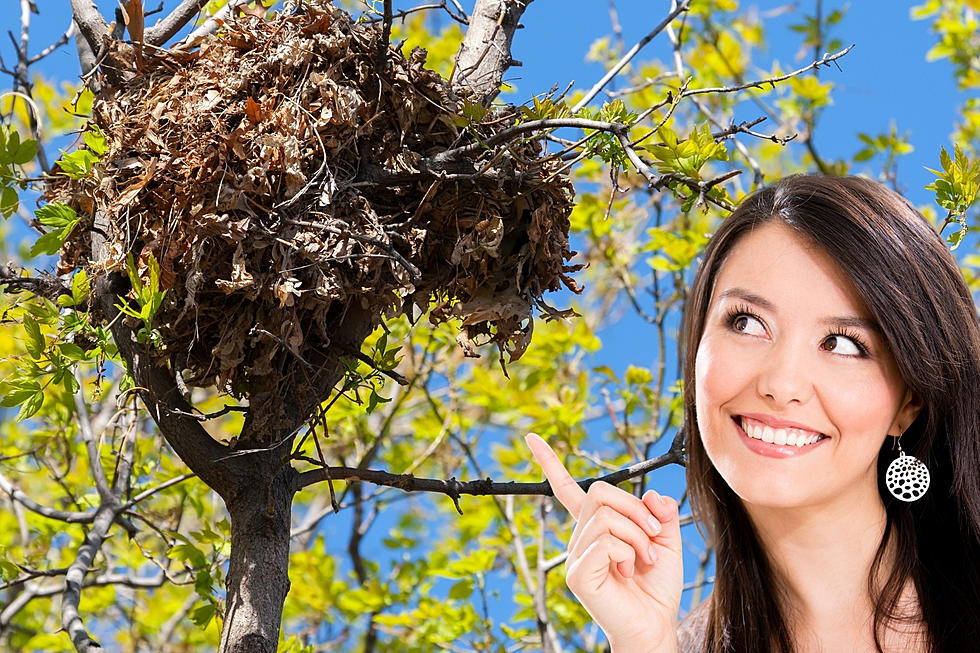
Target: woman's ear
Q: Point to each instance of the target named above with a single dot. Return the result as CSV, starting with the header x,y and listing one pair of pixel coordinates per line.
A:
x,y
907,412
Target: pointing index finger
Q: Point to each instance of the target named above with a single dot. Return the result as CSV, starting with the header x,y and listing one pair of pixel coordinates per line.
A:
x,y
566,490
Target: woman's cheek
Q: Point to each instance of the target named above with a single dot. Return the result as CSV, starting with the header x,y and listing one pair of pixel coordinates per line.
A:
x,y
722,373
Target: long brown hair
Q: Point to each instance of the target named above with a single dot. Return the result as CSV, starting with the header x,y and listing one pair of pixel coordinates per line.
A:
x,y
914,289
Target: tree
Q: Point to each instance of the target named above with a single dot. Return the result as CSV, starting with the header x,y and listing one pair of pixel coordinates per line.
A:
x,y
117,387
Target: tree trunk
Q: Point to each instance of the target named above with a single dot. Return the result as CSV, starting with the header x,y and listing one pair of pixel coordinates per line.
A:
x,y
258,573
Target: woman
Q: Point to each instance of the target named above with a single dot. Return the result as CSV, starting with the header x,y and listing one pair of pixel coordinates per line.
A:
x,y
828,332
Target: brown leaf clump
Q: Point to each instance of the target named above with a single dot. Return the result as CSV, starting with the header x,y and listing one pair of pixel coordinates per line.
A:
x,y
280,178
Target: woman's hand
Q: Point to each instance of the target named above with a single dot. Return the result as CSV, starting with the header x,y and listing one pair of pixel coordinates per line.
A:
x,y
624,557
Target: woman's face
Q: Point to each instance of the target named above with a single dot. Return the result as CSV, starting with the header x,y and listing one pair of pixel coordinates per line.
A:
x,y
796,388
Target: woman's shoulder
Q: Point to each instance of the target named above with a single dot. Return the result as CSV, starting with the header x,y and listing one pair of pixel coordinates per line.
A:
x,y
692,629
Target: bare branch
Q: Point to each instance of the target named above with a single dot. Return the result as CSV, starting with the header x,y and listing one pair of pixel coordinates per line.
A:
x,y
91,24
454,489
153,490
165,28
209,26
401,14
86,56
88,437
549,638
71,621
224,410
617,28
381,55
682,7
484,54
68,516
511,133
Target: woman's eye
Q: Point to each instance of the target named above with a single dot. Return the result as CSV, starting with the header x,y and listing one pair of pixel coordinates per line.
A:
x,y
748,324
841,345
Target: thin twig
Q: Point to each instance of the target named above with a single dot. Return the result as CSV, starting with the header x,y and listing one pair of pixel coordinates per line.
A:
x,y
771,81
88,437
381,55
65,37
511,133
391,374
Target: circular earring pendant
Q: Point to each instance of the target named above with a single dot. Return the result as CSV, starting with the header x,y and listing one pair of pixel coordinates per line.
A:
x,y
907,477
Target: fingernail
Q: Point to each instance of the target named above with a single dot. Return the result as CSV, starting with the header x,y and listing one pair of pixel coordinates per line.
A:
x,y
654,525
652,553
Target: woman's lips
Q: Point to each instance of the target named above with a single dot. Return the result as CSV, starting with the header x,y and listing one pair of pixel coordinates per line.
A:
x,y
780,446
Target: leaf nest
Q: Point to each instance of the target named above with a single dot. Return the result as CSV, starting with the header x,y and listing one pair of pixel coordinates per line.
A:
x,y
279,178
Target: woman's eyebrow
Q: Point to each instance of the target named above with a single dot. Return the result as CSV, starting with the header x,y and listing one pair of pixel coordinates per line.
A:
x,y
745,295
854,322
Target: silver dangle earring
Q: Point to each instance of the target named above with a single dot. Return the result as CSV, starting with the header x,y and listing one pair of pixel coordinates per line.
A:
x,y
907,477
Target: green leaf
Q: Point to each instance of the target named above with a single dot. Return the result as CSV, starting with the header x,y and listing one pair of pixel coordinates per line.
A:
x,y
35,340
49,243
25,152
77,164
8,570
461,589
31,406
95,140
639,376
203,614
8,201
187,553
79,287
18,393
70,384
71,351
56,214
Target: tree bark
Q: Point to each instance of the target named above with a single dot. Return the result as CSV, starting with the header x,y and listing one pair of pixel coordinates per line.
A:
x,y
258,578
484,55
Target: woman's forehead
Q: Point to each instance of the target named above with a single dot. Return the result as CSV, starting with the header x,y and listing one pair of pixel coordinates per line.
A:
x,y
774,264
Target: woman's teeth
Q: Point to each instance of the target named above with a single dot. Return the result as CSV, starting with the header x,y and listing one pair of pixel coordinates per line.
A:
x,y
792,437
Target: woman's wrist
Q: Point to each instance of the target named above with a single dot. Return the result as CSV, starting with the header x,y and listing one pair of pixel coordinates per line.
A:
x,y
641,645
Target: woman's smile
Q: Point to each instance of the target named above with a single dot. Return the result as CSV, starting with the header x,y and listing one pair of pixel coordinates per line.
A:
x,y
776,438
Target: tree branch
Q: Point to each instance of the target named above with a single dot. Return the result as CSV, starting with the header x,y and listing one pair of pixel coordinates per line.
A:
x,y
91,24
68,33
454,489
509,134
381,55
47,285
825,61
401,14
67,516
88,437
158,389
209,26
71,621
165,28
484,54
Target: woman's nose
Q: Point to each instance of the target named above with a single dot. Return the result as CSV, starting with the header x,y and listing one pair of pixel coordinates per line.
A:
x,y
786,374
